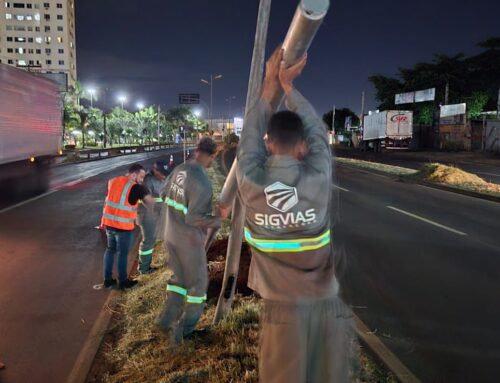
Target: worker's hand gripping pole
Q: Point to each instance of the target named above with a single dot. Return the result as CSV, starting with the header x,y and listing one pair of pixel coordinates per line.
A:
x,y
305,24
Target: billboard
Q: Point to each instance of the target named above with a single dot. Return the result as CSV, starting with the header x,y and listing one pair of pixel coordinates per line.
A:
x,y
189,98
405,98
425,95
452,110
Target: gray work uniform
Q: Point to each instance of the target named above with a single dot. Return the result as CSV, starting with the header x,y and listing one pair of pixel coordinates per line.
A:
x,y
148,221
306,328
188,209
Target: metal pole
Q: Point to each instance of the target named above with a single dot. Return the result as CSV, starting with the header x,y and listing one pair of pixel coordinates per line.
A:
x,y
158,131
446,93
238,212
498,104
210,111
184,143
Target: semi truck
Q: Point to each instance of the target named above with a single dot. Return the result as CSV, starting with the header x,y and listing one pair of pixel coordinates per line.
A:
x,y
390,129
30,130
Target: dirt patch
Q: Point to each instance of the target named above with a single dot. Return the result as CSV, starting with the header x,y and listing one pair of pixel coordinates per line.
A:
x,y
216,258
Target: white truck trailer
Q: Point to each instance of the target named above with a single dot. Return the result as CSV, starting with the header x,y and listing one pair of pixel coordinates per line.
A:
x,y
30,130
390,129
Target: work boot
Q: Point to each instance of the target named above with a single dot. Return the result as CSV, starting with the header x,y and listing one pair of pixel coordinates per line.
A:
x,y
129,283
148,271
109,283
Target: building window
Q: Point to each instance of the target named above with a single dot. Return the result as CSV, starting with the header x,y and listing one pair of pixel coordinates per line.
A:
x,y
48,62
37,29
20,51
21,62
10,50
8,16
32,62
20,17
37,17
38,40
31,51
71,44
30,29
19,28
61,62
37,6
38,51
29,18
10,62
10,39
30,39
29,6
61,51
46,5
48,51
47,28
9,27
59,17
59,39
18,5
59,5
20,39
7,4
59,28
46,16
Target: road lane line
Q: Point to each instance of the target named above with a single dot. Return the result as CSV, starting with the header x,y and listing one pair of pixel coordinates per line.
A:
x,y
426,220
341,188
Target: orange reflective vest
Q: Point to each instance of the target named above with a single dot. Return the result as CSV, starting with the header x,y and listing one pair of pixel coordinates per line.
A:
x,y
118,212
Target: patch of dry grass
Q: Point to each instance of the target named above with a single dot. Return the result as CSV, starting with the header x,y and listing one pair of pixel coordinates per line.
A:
x,y
368,165
452,176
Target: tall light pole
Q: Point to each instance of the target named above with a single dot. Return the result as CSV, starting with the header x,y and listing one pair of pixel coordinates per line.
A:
x,y
184,142
92,93
211,83
122,98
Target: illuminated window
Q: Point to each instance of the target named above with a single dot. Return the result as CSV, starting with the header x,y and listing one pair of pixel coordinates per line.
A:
x,y
8,16
20,39
20,50
71,44
38,40
48,39
21,62
29,18
59,39
37,16
20,17
7,4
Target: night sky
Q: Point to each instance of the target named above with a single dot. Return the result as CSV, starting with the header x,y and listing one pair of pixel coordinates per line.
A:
x,y
154,49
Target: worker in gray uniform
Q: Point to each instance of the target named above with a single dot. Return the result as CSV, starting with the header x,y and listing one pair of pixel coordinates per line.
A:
x,y
188,200
148,219
284,183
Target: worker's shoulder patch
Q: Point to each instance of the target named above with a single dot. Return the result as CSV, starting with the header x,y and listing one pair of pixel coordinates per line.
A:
x,y
180,178
281,197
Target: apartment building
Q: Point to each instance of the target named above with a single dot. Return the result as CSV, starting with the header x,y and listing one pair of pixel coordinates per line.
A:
x,y
39,36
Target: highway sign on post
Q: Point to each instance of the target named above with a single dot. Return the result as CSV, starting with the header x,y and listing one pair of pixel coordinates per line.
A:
x,y
189,98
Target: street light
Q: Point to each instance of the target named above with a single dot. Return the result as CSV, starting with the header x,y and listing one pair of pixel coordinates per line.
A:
x,y
92,92
140,105
123,99
211,83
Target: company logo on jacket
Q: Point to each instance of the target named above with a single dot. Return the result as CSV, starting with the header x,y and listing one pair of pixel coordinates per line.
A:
x,y
178,184
282,198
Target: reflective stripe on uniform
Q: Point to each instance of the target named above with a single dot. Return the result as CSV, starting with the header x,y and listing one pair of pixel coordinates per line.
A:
x,y
158,199
288,245
177,289
118,219
146,252
196,300
121,207
125,191
176,205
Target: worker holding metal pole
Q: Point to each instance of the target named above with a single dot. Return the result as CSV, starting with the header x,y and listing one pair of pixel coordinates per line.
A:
x,y
306,328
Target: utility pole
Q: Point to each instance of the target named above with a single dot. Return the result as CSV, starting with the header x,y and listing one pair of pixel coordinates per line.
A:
x,y
362,107
211,83
158,128
446,93
498,104
334,110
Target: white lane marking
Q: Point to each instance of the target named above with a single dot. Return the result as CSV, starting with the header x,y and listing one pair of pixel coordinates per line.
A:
x,y
426,220
27,201
489,174
341,188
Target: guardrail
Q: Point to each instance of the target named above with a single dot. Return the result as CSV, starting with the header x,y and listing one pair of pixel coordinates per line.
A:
x,y
94,154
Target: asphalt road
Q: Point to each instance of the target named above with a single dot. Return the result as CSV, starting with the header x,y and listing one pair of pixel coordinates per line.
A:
x,y
422,270
51,258
490,173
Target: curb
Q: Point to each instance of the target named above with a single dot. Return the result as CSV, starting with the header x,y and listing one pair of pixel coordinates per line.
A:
x,y
450,189
88,352
403,374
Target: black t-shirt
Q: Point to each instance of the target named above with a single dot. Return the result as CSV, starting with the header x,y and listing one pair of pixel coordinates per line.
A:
x,y
137,192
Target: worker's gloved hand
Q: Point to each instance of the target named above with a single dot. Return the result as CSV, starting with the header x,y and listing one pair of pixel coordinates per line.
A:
x,y
272,82
288,74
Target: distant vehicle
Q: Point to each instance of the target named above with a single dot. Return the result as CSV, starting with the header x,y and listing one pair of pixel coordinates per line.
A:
x,y
390,129
30,129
